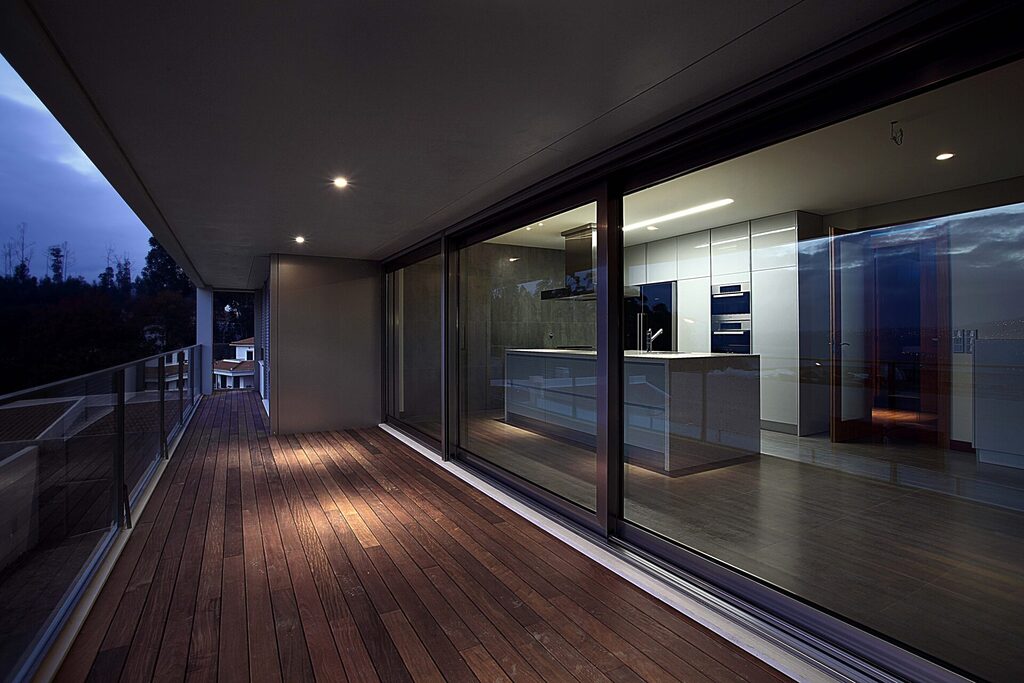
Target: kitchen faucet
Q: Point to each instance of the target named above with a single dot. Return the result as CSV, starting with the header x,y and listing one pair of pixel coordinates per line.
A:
x,y
652,337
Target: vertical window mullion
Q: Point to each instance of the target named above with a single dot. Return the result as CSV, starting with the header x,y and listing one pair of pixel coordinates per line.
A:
x,y
609,357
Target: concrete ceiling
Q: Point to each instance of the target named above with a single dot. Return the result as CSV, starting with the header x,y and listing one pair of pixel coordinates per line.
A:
x,y
222,123
846,166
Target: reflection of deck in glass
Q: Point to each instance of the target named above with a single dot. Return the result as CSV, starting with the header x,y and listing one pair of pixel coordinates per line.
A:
x,y
891,536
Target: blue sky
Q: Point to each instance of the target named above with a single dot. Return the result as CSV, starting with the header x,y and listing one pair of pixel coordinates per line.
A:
x,y
47,182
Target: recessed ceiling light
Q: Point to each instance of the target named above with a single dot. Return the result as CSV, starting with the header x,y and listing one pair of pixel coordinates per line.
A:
x,y
652,227
341,182
528,228
678,214
541,224
513,259
300,239
944,156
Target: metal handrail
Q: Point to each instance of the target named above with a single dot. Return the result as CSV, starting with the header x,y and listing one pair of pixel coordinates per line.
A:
x,y
113,368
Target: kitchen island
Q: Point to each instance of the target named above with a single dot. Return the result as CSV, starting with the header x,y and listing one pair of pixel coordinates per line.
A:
x,y
684,412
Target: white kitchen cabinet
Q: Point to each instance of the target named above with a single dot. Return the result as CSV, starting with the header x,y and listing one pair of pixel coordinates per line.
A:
x,y
775,337
773,241
730,252
693,317
661,260
635,262
693,255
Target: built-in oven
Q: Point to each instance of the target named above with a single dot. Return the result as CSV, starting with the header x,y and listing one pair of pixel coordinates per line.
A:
x,y
730,318
733,299
730,334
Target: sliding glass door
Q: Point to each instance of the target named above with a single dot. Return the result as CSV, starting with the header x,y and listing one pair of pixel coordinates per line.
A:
x,y
824,372
414,346
528,353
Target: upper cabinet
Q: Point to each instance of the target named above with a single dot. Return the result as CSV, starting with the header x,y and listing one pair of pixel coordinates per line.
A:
x,y
635,261
693,255
730,252
661,260
773,241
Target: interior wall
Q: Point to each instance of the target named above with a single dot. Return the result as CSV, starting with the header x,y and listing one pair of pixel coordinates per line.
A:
x,y
976,274
325,329
504,310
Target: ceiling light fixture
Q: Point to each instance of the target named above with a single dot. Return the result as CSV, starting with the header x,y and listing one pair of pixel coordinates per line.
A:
x,y
652,227
678,214
775,232
944,156
541,224
299,239
340,182
528,228
513,259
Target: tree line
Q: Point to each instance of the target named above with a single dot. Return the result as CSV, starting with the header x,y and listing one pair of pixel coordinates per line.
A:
x,y
57,326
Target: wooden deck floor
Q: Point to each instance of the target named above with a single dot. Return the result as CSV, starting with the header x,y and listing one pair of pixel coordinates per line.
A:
x,y
345,556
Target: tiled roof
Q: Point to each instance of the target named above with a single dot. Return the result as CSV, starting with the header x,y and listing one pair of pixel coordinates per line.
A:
x,y
245,366
250,341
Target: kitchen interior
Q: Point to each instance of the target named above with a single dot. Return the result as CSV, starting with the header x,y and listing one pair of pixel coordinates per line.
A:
x,y
824,365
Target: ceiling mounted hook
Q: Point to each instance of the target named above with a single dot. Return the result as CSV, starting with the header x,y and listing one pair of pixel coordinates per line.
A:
x,y
895,134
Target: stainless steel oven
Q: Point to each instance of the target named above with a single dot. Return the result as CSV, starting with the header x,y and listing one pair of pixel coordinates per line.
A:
x,y
732,299
730,318
730,334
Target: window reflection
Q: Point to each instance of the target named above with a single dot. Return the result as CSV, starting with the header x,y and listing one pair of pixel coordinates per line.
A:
x,y
856,438
528,361
414,392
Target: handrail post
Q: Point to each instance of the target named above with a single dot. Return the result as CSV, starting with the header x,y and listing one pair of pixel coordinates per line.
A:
x,y
123,511
161,385
181,387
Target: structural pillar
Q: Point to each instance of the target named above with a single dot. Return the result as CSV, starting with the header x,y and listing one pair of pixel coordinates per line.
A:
x,y
204,336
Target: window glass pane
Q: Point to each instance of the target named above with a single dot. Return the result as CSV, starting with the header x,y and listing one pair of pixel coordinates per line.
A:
x,y
414,395
825,369
527,323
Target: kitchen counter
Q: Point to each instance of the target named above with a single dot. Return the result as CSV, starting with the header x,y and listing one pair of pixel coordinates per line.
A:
x,y
653,355
684,412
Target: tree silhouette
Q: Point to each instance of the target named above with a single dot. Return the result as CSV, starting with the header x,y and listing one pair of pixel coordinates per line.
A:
x,y
56,258
63,326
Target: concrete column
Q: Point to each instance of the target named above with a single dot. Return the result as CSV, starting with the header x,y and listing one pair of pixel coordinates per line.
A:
x,y
204,336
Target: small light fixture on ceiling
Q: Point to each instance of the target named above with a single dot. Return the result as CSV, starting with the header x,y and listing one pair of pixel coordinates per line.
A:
x,y
541,225
944,156
652,227
340,182
513,259
528,228
299,239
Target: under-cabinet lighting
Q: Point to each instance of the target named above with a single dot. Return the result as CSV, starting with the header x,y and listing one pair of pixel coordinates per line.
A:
x,y
678,214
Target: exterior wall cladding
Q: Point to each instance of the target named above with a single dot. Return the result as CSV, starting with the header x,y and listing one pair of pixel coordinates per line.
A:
x,y
264,333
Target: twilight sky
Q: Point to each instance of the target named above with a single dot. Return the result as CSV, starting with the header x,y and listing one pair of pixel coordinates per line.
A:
x,y
47,182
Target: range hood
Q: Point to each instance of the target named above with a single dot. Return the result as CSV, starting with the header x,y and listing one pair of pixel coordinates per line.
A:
x,y
580,259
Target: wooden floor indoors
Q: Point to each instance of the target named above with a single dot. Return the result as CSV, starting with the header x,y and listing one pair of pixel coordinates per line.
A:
x,y
346,556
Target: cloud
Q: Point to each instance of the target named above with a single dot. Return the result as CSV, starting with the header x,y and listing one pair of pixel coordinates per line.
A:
x,y
14,89
47,182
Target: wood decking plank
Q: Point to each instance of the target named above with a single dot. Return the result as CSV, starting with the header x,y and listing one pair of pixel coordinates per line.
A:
x,y
347,556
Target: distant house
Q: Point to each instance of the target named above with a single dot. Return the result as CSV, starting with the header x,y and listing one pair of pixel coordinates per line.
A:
x,y
237,372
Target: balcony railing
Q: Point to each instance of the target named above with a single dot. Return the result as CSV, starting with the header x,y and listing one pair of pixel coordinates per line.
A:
x,y
75,456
